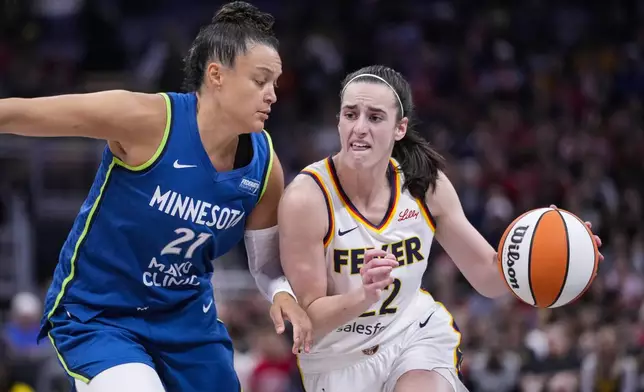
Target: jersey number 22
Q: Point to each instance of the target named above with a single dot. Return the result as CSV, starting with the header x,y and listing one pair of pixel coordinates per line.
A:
x,y
385,307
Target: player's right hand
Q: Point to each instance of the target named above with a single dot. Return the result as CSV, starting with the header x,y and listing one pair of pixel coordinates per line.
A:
x,y
376,273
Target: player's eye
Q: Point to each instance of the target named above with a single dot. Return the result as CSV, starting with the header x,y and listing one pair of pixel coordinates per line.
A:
x,y
349,115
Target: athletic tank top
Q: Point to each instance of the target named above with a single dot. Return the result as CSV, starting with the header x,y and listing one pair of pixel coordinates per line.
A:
x,y
145,236
406,231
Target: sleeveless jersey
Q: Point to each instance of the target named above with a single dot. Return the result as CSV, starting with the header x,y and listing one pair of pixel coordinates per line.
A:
x,y
406,231
145,237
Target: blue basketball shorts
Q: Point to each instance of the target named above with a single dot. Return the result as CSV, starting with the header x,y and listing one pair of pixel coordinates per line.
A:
x,y
190,349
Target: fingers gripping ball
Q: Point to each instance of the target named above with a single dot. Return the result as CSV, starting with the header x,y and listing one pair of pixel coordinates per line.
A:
x,y
548,257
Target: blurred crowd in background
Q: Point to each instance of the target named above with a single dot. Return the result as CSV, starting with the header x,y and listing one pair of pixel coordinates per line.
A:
x,y
532,102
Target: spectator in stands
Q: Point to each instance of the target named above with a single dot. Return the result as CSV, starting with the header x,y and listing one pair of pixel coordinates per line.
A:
x,y
495,369
559,366
609,368
273,370
19,337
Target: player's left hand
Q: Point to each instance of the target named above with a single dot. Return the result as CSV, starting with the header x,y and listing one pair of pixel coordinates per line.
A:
x,y
286,308
598,240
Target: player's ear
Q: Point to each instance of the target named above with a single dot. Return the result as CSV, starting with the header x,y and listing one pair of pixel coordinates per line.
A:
x,y
214,74
401,129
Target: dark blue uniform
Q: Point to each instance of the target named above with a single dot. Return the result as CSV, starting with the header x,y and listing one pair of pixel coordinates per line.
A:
x,y
133,283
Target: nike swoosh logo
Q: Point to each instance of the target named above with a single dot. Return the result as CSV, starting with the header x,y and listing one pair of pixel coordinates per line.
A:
x,y
341,233
177,165
206,308
422,325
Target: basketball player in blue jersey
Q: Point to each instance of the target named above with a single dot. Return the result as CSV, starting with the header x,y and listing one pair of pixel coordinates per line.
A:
x,y
185,177
375,328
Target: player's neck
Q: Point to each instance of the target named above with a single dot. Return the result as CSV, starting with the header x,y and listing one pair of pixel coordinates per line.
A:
x,y
364,185
217,131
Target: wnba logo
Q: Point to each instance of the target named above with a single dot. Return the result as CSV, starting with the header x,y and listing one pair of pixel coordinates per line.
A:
x,y
513,253
249,185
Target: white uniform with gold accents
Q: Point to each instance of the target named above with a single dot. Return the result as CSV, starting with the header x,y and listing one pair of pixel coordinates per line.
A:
x,y
406,329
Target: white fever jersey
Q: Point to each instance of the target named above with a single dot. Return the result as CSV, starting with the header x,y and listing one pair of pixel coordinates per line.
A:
x,y
406,231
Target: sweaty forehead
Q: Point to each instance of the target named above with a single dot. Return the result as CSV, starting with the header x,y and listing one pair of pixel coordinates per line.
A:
x,y
261,57
369,93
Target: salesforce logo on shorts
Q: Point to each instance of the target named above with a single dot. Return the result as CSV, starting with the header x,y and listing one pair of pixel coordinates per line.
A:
x,y
196,211
361,329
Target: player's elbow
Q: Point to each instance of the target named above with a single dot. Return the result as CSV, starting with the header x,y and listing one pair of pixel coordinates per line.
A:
x,y
308,299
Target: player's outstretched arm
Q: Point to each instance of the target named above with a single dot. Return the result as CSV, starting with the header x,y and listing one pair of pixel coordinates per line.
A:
x,y
303,223
471,253
119,116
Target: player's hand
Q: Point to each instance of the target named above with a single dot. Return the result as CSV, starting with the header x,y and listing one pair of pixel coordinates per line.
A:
x,y
598,240
285,307
376,273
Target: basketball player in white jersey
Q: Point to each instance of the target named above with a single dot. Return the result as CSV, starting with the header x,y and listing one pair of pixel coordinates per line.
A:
x,y
375,329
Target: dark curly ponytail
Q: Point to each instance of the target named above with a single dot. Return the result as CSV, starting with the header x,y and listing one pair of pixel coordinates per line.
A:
x,y
232,29
419,162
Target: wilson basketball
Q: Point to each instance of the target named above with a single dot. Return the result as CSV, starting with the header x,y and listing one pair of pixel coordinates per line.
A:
x,y
548,257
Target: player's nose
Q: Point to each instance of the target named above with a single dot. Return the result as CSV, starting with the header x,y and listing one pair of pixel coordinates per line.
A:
x,y
361,126
271,96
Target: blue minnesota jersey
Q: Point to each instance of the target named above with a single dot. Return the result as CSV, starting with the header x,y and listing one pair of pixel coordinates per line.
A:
x,y
146,236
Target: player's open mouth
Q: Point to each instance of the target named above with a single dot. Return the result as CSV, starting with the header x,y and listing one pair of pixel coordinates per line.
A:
x,y
359,146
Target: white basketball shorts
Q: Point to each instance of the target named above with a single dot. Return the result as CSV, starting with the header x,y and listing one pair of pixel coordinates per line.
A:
x,y
431,343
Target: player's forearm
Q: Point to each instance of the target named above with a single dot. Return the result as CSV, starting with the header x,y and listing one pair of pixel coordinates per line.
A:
x,y
487,279
44,116
328,313
11,110
263,283
269,287
263,262
120,116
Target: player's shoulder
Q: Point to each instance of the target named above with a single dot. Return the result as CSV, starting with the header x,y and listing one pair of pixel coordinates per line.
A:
x,y
133,100
312,177
303,193
144,110
143,119
442,181
442,196
303,207
301,187
308,190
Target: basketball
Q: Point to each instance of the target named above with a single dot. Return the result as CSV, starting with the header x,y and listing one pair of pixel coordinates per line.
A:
x,y
548,257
